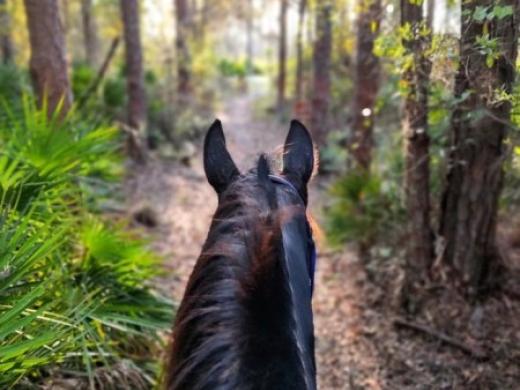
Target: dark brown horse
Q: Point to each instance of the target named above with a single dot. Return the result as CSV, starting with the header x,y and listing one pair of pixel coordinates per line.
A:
x,y
245,321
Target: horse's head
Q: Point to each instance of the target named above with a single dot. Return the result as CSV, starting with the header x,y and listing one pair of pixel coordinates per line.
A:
x,y
246,316
277,201
283,192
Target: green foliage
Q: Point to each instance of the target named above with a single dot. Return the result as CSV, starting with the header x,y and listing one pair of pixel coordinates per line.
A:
x,y
230,68
515,110
510,198
74,289
364,206
114,92
82,77
390,46
488,47
482,14
333,156
13,83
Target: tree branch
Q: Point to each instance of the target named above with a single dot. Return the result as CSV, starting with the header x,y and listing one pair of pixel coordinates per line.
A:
x,y
100,75
476,351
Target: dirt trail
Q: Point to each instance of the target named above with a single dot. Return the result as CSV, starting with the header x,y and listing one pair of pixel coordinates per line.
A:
x,y
184,204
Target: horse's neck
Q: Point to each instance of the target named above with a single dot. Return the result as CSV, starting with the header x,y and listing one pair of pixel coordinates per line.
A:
x,y
275,353
249,333
279,322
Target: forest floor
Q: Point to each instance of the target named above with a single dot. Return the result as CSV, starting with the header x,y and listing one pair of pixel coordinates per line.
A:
x,y
358,344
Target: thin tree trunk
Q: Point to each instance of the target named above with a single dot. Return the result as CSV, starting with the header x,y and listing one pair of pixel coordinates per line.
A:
x,y
298,87
366,82
134,76
282,56
6,44
65,15
92,89
90,37
193,11
183,51
249,36
321,87
203,21
344,35
415,134
48,64
430,15
479,127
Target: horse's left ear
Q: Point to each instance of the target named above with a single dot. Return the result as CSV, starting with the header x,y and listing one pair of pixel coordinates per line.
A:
x,y
298,155
219,167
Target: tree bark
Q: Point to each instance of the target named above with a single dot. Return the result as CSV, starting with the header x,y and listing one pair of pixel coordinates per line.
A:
x,y
91,41
134,64
477,151
282,56
64,7
298,87
430,15
202,22
415,134
321,82
183,51
366,82
48,64
249,36
6,44
134,77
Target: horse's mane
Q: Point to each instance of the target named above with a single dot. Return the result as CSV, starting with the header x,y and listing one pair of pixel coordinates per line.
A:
x,y
237,305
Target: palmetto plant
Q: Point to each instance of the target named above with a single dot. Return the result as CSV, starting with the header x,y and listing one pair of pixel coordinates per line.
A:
x,y
362,208
75,294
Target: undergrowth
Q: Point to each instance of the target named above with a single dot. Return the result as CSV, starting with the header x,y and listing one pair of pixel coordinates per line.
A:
x,y
76,298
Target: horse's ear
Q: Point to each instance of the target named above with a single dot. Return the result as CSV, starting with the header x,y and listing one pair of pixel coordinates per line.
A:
x,y
218,164
298,155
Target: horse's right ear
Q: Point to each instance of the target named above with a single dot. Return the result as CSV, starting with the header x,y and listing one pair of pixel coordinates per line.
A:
x,y
298,155
218,164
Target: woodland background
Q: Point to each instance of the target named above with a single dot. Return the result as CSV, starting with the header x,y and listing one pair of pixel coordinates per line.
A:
x,y
414,106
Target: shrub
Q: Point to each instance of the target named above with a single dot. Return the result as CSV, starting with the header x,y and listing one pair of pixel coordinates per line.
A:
x,y
231,68
114,93
363,208
75,294
82,77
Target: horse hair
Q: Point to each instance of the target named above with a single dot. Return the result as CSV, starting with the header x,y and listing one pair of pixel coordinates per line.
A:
x,y
237,310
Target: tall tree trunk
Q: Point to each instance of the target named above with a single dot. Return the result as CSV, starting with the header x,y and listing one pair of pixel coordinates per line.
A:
x,y
202,21
249,35
415,134
344,35
479,127
430,15
6,44
90,37
298,85
183,51
64,7
321,87
282,56
366,82
48,64
134,77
